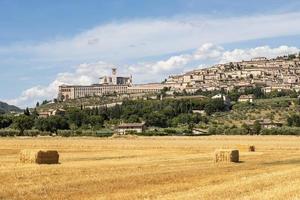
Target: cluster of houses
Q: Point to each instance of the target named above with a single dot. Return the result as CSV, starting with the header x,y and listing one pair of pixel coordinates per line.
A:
x,y
281,73
265,123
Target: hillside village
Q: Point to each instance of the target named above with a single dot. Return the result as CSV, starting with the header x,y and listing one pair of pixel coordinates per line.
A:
x,y
260,96
150,99
277,74
281,73
243,87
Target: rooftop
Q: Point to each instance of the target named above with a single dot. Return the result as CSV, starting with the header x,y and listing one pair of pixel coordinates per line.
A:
x,y
135,125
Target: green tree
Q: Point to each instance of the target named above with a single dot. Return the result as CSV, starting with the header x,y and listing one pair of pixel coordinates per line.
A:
x,y
156,119
27,112
246,128
257,91
191,126
96,121
214,105
256,127
294,120
5,121
77,117
35,114
23,122
51,124
42,124
133,119
45,102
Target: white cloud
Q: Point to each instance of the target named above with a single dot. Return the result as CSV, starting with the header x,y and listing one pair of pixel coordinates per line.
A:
x,y
208,51
84,74
132,40
263,51
205,53
88,73
152,37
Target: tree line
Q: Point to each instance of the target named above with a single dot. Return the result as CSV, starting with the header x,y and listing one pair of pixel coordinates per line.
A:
x,y
164,113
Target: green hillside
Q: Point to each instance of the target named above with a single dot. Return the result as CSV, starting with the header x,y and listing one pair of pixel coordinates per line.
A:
x,y
5,108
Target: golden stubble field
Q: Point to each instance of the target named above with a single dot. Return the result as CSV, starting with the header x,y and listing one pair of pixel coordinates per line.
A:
x,y
152,168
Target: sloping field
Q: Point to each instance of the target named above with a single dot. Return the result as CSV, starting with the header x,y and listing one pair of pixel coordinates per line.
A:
x,y
152,168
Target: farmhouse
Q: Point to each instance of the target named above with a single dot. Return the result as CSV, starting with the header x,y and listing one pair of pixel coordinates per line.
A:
x,y
246,98
266,123
224,98
202,112
130,127
52,112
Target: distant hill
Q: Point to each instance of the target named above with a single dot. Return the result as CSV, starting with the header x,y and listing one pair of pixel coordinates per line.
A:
x,y
4,108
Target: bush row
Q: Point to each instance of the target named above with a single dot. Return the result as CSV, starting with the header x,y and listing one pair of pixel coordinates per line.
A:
x,y
63,133
281,131
165,132
213,130
224,130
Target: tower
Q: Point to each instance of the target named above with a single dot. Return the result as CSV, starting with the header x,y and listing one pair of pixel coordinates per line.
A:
x,y
114,71
114,76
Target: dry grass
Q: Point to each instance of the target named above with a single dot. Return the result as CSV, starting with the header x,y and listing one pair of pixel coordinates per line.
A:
x,y
152,168
242,147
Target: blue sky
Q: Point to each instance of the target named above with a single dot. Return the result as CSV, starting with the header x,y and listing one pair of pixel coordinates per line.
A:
x,y
46,43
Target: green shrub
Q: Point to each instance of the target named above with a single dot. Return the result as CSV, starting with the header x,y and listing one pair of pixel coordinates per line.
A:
x,y
78,133
152,133
65,133
8,132
104,133
187,131
170,131
131,132
31,133
281,131
235,131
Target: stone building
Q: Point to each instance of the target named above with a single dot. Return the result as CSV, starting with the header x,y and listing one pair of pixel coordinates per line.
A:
x,y
246,98
108,85
125,128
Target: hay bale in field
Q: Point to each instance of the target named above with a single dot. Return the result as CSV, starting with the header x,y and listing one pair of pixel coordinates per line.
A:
x,y
247,148
39,156
226,155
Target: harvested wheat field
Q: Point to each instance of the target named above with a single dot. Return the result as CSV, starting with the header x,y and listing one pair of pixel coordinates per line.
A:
x,y
152,168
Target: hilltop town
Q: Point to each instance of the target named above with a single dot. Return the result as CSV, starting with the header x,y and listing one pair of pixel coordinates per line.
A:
x,y
281,73
259,96
276,74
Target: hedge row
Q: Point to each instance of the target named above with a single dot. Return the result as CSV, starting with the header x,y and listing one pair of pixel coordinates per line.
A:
x,y
223,130
63,133
12,133
282,131
214,130
164,132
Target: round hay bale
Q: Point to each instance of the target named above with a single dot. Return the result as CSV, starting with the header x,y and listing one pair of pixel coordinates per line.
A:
x,y
39,156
